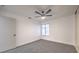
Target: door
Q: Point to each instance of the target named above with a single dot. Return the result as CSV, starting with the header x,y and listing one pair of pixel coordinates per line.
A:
x,y
7,33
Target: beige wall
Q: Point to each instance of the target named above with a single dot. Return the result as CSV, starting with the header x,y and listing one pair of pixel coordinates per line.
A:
x,y
77,30
62,30
27,31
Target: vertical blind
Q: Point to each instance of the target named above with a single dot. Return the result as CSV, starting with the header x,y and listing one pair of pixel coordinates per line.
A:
x,y
45,29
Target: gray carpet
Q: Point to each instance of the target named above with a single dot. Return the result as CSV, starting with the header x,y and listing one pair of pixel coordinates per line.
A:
x,y
43,46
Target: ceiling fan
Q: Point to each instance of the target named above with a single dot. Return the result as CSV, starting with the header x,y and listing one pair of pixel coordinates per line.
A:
x,y
43,14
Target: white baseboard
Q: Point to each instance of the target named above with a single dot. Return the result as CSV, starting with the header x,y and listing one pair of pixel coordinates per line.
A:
x,y
60,42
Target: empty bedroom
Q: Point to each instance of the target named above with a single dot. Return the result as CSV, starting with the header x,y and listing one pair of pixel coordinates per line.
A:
x,y
39,29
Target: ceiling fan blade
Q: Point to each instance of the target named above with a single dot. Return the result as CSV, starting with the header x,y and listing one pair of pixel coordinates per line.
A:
x,y
48,11
48,15
38,13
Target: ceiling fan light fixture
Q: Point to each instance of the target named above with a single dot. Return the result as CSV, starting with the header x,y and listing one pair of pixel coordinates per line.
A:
x,y
43,17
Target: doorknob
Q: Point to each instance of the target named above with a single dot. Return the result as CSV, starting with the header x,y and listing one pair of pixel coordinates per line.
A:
x,y
14,35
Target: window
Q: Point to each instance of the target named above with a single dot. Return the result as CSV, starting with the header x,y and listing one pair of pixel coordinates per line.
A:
x,y
45,29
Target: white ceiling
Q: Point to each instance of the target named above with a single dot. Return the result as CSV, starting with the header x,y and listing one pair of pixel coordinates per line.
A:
x,y
28,10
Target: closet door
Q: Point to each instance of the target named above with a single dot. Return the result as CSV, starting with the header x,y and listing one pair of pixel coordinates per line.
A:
x,y
7,33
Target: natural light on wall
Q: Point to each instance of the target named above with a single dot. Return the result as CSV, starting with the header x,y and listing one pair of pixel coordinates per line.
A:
x,y
45,29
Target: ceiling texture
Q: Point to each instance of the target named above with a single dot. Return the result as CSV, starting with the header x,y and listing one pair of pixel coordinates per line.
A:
x,y
29,10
